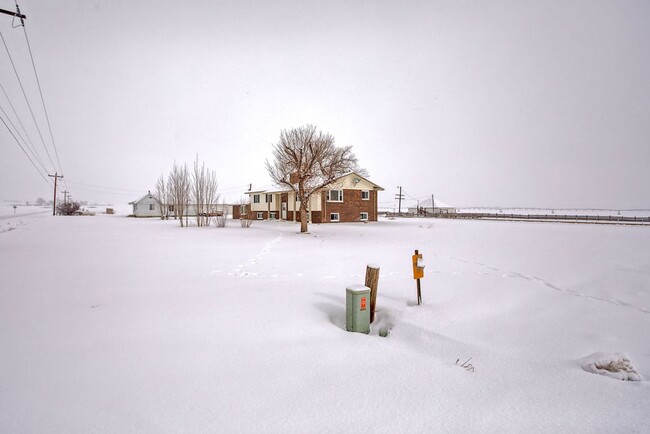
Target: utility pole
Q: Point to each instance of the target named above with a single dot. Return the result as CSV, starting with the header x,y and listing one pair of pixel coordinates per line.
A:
x,y
56,176
399,197
433,205
65,196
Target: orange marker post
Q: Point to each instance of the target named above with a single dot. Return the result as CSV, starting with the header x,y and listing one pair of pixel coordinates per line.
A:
x,y
418,272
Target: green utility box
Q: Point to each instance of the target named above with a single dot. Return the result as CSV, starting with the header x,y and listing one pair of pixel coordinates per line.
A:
x,y
357,309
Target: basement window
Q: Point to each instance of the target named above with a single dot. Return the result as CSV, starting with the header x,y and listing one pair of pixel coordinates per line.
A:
x,y
363,217
260,216
334,217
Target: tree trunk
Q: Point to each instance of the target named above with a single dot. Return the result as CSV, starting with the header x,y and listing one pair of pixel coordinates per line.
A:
x,y
303,217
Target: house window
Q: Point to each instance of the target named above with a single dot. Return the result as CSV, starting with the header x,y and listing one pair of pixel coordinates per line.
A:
x,y
242,209
363,217
273,215
152,207
269,198
260,216
334,217
335,196
135,207
170,208
365,194
256,198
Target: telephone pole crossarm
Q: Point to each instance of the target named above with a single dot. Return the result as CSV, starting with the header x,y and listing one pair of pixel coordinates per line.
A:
x,y
13,14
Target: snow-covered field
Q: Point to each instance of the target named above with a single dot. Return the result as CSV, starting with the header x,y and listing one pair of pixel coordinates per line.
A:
x,y
115,325
560,211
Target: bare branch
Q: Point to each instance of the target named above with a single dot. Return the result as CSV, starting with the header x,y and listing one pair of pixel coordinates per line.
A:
x,y
306,161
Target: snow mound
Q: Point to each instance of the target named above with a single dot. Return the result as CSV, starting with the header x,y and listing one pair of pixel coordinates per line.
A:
x,y
614,365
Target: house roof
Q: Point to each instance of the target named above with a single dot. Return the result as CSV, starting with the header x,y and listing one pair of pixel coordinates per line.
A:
x,y
426,203
142,198
270,188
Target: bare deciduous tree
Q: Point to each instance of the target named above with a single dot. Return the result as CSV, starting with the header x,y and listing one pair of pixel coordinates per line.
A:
x,y
306,161
179,190
67,208
161,196
204,191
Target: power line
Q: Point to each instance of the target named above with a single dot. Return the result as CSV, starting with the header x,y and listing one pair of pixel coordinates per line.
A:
x,y
101,186
33,148
40,91
35,155
26,99
26,154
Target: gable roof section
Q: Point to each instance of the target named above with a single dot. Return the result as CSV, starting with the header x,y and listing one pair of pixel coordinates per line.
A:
x,y
276,189
426,203
377,187
142,198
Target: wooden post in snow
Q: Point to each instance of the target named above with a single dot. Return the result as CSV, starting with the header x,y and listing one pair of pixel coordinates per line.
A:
x,y
372,280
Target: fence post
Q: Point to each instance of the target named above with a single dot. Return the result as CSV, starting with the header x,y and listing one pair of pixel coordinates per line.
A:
x,y
372,280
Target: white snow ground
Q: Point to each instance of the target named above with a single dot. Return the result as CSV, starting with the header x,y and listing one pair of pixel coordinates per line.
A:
x,y
112,324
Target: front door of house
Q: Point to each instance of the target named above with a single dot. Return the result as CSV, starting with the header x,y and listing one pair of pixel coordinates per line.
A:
x,y
284,210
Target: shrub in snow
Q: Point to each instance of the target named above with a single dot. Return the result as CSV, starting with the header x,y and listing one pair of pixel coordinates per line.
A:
x,y
614,365
67,208
221,221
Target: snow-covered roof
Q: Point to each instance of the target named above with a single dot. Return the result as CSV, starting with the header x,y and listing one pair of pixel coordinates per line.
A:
x,y
426,203
142,198
272,188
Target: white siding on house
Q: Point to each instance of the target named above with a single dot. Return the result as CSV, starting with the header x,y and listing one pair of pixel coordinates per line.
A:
x,y
147,206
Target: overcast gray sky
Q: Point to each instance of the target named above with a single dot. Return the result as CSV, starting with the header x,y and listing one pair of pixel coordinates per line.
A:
x,y
494,103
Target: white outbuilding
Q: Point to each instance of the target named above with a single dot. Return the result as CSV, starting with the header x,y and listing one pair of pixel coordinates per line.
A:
x,y
431,206
146,206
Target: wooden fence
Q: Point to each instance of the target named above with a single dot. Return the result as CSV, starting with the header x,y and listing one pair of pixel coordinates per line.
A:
x,y
538,217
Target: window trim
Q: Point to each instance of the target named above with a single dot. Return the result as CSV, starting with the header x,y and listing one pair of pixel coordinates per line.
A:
x,y
340,194
361,216
268,195
256,198
273,215
260,215
367,192
337,219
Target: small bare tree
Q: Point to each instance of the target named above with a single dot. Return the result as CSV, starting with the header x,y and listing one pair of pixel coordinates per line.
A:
x,y
221,219
210,194
204,192
161,196
306,161
180,190
198,189
67,208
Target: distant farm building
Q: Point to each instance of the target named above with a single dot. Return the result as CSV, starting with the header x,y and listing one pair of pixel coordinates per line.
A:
x,y
149,206
146,206
431,206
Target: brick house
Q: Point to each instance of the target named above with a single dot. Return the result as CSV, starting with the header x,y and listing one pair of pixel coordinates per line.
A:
x,y
350,198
